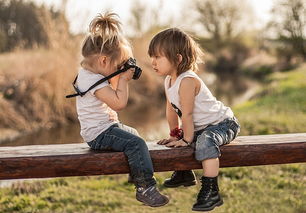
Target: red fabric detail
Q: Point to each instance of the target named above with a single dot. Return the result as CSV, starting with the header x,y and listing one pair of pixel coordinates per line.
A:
x,y
177,132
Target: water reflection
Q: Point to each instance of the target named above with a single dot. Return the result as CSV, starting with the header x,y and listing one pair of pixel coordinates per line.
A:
x,y
60,135
150,124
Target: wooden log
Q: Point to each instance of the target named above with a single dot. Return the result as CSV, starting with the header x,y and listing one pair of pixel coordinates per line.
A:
x,y
42,161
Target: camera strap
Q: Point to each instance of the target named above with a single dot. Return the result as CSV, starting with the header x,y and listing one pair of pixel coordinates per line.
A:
x,y
79,93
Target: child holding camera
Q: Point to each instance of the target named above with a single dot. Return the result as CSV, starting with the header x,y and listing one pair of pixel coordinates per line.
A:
x,y
105,51
206,122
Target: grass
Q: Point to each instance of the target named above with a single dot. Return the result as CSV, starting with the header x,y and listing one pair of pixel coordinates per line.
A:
x,y
278,108
253,189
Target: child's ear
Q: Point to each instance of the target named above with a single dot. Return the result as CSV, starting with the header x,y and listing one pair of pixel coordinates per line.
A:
x,y
102,60
179,58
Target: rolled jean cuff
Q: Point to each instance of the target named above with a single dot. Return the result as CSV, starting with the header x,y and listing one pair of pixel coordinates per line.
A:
x,y
211,152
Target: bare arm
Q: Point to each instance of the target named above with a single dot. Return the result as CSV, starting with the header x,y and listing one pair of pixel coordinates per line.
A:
x,y
172,117
114,81
187,93
173,122
116,98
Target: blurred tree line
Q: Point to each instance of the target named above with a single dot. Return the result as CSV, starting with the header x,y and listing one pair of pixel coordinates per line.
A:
x,y
225,22
289,23
23,24
232,47
225,32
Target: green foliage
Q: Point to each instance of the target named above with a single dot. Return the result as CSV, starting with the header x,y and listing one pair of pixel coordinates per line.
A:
x,y
20,23
3,40
279,108
222,20
24,24
228,55
258,72
289,24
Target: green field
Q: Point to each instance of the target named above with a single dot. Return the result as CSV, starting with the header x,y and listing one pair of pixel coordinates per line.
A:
x,y
279,108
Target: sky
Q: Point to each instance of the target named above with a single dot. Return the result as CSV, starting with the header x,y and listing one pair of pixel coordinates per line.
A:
x,y
79,12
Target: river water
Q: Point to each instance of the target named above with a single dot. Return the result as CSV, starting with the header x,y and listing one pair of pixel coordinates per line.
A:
x,y
150,126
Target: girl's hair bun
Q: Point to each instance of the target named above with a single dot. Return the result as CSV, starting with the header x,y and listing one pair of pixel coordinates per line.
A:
x,y
105,28
105,38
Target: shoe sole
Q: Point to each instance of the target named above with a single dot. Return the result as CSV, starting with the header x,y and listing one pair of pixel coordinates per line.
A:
x,y
157,205
210,208
186,184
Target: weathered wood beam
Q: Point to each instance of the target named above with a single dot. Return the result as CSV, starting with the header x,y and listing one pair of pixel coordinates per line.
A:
x,y
42,161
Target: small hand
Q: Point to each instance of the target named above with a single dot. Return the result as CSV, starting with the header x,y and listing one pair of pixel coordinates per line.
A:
x,y
179,143
166,141
128,75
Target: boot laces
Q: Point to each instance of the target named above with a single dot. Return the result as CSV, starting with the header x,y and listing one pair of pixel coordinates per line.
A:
x,y
205,191
173,174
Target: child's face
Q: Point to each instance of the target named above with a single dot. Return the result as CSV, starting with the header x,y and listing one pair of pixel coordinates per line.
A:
x,y
162,66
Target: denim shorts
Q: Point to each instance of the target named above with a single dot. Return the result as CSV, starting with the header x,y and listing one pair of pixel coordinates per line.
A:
x,y
209,139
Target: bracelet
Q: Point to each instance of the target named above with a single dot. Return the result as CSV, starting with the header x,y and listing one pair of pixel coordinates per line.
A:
x,y
187,142
177,132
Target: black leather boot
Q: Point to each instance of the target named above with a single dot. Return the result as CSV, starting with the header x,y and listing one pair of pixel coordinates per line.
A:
x,y
181,178
208,197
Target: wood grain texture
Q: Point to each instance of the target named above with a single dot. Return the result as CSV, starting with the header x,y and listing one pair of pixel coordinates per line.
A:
x,y
42,161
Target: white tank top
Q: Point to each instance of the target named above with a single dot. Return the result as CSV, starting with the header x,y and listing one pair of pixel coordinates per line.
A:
x,y
93,114
207,109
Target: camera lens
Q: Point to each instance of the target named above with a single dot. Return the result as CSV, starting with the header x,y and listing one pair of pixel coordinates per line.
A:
x,y
137,73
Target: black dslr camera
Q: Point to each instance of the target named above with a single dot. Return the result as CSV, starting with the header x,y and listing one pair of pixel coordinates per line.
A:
x,y
131,63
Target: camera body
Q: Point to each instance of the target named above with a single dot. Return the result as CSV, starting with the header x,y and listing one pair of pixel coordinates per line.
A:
x,y
131,63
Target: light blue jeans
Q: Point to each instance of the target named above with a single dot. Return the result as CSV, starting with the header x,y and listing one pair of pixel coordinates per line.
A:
x,y
209,139
125,139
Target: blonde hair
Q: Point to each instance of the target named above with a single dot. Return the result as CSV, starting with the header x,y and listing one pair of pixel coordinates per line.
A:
x,y
105,37
172,42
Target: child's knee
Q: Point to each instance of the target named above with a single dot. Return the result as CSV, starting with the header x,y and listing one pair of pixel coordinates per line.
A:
x,y
138,142
207,153
206,147
128,129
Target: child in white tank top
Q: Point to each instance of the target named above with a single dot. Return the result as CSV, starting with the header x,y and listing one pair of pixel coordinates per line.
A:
x,y
206,122
105,51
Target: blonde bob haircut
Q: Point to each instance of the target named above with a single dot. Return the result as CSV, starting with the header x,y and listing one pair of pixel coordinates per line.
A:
x,y
173,41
